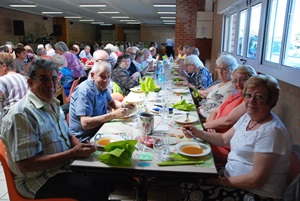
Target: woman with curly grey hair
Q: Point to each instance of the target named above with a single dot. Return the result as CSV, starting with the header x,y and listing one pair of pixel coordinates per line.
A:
x,y
214,96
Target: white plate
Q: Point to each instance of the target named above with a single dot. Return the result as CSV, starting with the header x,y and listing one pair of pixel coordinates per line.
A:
x,y
181,91
133,100
136,90
181,145
110,137
131,112
150,73
181,119
179,83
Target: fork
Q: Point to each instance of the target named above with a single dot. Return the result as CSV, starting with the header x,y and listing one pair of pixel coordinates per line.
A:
x,y
187,119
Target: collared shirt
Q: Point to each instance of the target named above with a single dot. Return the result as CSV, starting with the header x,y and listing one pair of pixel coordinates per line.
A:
x,y
83,54
29,128
201,80
87,100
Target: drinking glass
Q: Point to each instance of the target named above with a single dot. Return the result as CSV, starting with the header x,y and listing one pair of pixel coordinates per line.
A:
x,y
161,145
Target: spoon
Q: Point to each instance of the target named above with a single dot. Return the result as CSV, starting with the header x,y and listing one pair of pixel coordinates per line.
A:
x,y
97,136
194,137
187,119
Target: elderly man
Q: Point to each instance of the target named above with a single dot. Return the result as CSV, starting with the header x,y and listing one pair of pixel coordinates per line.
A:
x,y
133,70
90,101
86,52
40,147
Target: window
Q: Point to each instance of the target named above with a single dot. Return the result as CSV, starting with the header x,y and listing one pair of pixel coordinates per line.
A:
x,y
229,33
267,36
242,33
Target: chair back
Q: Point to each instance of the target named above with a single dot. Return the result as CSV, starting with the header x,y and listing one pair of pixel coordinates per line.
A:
x,y
74,85
12,190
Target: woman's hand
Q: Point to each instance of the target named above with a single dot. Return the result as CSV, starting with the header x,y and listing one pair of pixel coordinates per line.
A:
x,y
136,76
120,113
192,129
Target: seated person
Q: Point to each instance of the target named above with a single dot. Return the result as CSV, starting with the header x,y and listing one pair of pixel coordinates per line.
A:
x,y
13,86
198,76
90,101
227,114
214,96
258,162
155,56
121,76
133,70
40,147
86,52
142,61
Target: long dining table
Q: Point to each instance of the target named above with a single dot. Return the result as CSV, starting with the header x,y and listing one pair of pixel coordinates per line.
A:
x,y
143,173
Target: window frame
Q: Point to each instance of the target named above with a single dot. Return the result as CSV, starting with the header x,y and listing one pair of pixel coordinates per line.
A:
x,y
281,72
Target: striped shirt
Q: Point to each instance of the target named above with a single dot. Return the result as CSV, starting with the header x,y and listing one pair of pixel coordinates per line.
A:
x,y
13,88
29,128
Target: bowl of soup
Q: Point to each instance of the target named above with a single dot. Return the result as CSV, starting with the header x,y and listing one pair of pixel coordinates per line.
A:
x,y
193,149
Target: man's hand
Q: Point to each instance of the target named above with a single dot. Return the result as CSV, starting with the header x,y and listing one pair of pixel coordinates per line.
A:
x,y
120,113
83,150
129,105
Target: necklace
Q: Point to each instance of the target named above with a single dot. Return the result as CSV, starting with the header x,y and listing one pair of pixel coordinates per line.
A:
x,y
249,128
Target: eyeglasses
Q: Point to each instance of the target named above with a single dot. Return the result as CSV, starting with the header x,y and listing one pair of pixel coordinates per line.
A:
x,y
45,80
242,80
256,97
107,60
222,69
132,53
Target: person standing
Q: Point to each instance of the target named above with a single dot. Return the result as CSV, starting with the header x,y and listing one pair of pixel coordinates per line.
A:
x,y
40,147
170,47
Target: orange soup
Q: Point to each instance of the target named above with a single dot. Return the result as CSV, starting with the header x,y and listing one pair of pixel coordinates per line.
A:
x,y
192,150
103,142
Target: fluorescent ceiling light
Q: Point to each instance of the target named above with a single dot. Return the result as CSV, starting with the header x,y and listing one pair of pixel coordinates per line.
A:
x,y
52,12
127,20
23,5
133,23
97,22
169,21
166,13
86,20
108,12
168,17
92,5
73,17
105,24
120,17
164,5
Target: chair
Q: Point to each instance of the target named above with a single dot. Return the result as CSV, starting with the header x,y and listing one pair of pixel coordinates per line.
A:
x,y
74,85
60,91
12,190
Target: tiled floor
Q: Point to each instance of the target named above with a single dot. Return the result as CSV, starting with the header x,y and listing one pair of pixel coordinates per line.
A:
x,y
167,191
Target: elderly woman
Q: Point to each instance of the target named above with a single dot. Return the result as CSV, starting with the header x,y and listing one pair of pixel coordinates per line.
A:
x,y
258,162
72,61
214,96
19,61
121,76
198,76
229,112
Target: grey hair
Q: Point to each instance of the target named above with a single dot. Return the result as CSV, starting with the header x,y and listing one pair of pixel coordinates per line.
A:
x,y
193,60
228,60
245,69
101,65
145,50
41,64
48,45
41,51
99,54
61,46
60,60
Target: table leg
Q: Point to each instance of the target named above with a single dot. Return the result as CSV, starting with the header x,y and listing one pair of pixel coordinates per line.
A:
x,y
142,185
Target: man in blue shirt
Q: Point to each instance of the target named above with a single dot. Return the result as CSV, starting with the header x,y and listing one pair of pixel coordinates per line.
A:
x,y
169,46
90,101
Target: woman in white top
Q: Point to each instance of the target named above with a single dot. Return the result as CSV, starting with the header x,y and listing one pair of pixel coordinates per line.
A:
x,y
214,96
258,162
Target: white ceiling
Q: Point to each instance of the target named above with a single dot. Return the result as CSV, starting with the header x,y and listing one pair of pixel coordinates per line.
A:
x,y
140,10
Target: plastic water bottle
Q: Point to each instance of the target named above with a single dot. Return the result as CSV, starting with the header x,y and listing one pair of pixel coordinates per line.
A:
x,y
161,74
171,59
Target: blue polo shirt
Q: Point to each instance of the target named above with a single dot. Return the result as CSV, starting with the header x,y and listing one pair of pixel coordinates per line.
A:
x,y
87,100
